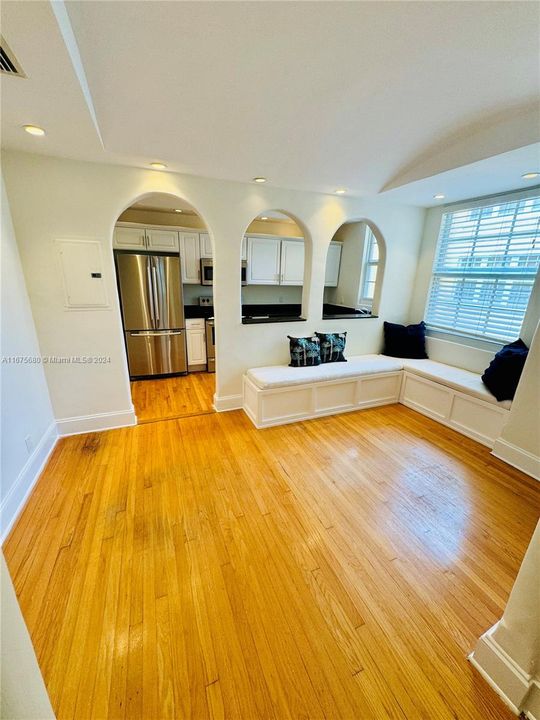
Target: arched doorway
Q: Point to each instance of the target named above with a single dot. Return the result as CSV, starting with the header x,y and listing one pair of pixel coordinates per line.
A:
x,y
163,257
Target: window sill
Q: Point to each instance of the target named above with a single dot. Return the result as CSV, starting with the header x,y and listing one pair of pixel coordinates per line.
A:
x,y
464,339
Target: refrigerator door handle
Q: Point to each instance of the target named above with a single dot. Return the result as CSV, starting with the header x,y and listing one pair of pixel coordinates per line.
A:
x,y
150,291
155,292
156,333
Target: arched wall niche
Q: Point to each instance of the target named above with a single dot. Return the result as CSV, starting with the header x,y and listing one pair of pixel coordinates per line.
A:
x,y
275,271
354,272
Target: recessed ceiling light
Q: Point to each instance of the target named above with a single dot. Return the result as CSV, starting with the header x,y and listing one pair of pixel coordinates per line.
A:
x,y
263,217
259,179
158,165
439,196
530,175
177,210
340,191
34,130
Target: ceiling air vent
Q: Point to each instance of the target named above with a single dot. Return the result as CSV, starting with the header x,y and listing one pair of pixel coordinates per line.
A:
x,y
8,61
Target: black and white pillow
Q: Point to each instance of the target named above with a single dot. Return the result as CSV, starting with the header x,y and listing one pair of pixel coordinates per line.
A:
x,y
332,346
305,351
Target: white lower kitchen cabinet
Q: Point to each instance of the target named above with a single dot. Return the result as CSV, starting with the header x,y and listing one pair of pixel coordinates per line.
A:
x,y
190,255
196,342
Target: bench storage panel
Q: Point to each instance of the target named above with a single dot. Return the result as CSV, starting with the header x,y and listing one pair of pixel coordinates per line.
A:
x,y
479,419
280,405
450,395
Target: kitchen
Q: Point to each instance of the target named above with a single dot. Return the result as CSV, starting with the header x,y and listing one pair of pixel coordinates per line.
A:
x,y
162,251
164,265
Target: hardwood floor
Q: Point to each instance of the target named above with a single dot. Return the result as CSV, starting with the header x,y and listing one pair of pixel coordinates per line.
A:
x,y
339,568
173,397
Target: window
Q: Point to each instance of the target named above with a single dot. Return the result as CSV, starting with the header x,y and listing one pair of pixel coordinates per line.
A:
x,y
370,268
486,262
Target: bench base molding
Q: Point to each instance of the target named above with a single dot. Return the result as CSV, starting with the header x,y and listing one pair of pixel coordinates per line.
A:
x,y
482,421
278,406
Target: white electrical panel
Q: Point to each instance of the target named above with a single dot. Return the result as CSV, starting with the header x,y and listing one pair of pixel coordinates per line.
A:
x,y
81,265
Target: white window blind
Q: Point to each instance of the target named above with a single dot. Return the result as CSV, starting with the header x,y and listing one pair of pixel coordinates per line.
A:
x,y
485,265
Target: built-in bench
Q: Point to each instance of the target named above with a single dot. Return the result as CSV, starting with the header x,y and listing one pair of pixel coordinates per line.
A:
x,y
455,397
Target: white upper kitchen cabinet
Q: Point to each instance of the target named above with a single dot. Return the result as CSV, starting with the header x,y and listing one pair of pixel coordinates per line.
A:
x,y
205,245
263,267
244,248
333,261
164,240
129,238
190,258
292,262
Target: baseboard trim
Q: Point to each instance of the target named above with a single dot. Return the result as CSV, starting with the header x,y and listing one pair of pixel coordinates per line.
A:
x,y
14,502
96,423
518,458
228,402
510,682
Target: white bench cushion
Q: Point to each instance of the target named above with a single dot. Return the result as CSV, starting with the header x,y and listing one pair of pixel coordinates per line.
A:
x,y
284,376
453,377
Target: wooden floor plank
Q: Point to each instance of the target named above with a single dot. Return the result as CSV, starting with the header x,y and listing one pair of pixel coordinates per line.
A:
x,y
338,568
173,397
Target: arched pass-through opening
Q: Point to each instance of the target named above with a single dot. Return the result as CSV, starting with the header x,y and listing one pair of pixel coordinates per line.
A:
x,y
274,270
163,257
354,273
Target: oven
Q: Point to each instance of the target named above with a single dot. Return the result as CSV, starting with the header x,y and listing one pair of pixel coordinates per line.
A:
x,y
210,345
207,272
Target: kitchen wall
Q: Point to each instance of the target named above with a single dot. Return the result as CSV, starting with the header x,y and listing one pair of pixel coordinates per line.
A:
x,y
56,198
155,217
27,425
274,294
352,236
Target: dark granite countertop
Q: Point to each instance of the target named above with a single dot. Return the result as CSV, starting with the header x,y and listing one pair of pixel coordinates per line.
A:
x,y
340,312
198,311
271,313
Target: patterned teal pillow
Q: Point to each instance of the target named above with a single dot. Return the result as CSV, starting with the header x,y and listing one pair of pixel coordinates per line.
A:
x,y
332,346
304,351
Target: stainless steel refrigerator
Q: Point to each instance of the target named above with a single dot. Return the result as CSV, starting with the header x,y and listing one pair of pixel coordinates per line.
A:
x,y
153,313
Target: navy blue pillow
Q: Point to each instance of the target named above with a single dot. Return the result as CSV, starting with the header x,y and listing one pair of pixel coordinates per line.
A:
x,y
502,376
305,351
405,341
332,346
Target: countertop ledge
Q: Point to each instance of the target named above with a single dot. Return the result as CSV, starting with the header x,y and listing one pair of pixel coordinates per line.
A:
x,y
277,319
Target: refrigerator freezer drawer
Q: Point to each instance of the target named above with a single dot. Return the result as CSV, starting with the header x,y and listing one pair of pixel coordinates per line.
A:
x,y
156,352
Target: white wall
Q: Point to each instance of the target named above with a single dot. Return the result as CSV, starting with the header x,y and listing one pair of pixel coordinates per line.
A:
x,y
23,695
519,443
508,654
26,409
55,198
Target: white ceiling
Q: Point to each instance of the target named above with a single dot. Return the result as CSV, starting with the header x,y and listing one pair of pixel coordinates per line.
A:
x,y
371,96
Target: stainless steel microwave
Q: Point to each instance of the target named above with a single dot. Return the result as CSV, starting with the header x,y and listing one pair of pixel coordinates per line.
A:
x,y
207,271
